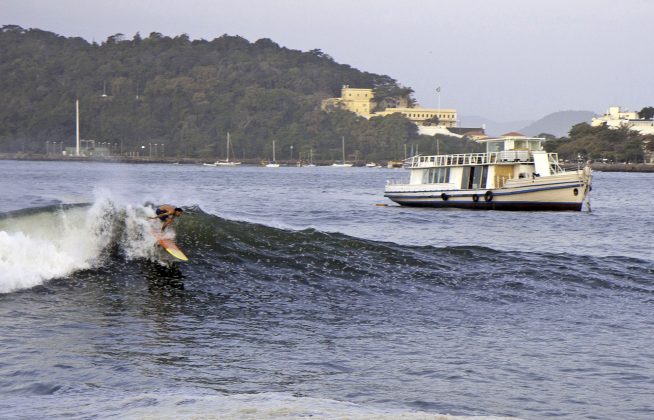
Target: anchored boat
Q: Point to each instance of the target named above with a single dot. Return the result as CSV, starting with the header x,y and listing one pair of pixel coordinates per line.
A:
x,y
225,162
515,173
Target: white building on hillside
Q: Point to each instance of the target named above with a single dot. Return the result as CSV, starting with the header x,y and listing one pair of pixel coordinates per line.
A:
x,y
616,118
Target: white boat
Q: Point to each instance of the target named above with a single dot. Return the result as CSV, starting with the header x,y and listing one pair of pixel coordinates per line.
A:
x,y
343,163
274,163
371,165
225,162
515,173
310,164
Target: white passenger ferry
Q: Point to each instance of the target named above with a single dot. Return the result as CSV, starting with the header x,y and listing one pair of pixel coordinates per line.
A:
x,y
515,173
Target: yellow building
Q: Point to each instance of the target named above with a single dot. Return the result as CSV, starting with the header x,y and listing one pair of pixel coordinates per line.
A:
x,y
361,102
446,117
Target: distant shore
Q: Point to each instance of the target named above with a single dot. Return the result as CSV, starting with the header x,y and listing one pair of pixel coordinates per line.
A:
x,y
623,167
144,160
614,167
600,167
106,159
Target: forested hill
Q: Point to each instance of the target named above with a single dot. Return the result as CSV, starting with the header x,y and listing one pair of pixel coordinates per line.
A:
x,y
187,94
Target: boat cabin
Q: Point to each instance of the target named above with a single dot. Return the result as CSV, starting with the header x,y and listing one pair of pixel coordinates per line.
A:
x,y
512,156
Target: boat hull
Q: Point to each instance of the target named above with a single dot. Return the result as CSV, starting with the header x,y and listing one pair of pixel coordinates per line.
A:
x,y
555,196
506,206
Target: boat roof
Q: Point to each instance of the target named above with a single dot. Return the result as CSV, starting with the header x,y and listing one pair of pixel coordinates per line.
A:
x,y
513,135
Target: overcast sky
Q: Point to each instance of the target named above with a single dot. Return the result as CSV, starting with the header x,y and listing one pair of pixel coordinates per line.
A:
x,y
501,59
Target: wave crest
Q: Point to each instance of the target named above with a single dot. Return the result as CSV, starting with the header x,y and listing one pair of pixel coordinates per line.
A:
x,y
37,245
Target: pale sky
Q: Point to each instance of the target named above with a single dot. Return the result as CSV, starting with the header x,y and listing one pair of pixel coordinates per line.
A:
x,y
501,59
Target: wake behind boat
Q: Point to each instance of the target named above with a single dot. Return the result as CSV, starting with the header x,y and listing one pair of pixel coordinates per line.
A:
x,y
515,173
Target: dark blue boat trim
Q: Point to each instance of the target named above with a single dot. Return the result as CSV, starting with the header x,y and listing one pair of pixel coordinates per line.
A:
x,y
496,193
493,205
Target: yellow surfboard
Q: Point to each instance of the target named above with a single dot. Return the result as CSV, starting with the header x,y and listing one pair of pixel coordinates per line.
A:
x,y
172,249
170,246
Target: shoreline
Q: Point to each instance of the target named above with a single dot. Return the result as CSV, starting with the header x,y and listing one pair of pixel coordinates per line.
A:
x,y
160,160
599,167
622,167
614,167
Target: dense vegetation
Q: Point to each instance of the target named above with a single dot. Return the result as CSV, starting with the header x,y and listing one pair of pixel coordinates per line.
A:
x,y
600,143
187,94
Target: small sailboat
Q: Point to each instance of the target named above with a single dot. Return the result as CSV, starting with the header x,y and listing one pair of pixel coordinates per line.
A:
x,y
274,163
343,163
310,164
227,162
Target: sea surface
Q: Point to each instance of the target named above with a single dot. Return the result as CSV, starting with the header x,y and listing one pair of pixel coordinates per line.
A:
x,y
304,297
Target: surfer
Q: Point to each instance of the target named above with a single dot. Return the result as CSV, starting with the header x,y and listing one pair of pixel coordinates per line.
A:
x,y
167,213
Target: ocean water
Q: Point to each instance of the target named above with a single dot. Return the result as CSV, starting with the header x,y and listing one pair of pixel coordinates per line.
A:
x,y
304,298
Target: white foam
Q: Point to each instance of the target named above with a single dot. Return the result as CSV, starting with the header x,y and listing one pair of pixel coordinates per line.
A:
x,y
137,238
203,404
265,406
39,247
26,261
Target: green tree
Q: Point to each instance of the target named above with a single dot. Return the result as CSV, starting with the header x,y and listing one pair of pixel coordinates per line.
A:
x,y
601,142
187,94
647,113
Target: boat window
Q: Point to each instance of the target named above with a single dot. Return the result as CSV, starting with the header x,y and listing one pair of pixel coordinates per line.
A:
x,y
484,177
465,178
443,175
436,176
427,175
495,146
520,145
477,177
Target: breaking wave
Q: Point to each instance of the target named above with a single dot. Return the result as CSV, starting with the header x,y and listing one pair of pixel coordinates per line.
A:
x,y
37,245
40,244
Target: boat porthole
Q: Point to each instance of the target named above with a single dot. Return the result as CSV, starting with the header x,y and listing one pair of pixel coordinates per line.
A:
x,y
488,196
475,198
445,197
575,191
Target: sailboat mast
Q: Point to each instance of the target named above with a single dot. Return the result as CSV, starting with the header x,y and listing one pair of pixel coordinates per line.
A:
x,y
343,138
228,146
77,127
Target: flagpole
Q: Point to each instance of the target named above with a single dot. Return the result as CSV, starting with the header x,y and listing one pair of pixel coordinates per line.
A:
x,y
438,90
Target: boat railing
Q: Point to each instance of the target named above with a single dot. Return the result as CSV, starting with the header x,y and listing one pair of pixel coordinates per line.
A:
x,y
553,160
471,159
420,161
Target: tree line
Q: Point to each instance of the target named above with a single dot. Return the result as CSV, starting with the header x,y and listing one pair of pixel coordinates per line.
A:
x,y
601,143
187,94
